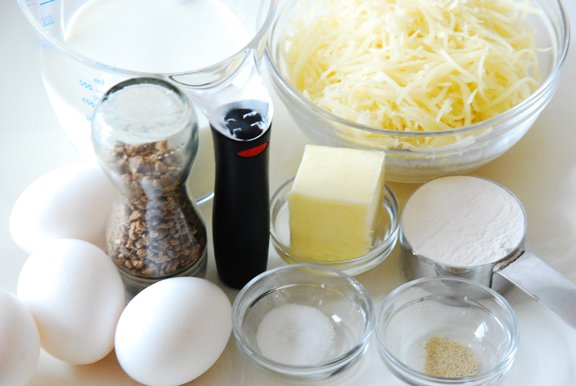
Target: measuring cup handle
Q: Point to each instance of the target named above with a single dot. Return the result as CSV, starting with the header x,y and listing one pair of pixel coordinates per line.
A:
x,y
543,283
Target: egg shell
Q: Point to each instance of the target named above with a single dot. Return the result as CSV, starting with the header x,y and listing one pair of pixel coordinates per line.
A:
x,y
173,331
75,294
19,341
72,201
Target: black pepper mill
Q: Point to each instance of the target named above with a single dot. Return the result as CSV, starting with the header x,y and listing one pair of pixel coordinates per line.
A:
x,y
241,212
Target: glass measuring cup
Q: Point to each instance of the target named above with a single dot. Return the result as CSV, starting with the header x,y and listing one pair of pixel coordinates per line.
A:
x,y
518,265
75,81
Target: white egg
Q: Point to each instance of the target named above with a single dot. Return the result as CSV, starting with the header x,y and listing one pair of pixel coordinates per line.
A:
x,y
76,296
19,341
73,201
173,331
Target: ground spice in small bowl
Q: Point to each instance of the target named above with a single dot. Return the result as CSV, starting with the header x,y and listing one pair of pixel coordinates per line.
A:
x,y
449,359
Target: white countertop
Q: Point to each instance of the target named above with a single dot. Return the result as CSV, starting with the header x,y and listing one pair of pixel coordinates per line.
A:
x,y
540,170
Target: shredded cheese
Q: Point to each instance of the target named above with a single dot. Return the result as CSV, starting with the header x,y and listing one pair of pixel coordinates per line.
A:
x,y
412,65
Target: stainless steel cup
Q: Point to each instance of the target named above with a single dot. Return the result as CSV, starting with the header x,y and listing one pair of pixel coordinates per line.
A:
x,y
520,267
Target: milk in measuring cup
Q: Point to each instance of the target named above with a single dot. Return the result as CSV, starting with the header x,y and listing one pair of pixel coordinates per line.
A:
x,y
148,36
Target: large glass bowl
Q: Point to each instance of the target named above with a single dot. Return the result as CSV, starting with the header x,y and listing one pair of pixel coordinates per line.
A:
x,y
475,145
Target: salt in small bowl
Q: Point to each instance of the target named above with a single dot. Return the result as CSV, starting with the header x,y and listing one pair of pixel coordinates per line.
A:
x,y
303,321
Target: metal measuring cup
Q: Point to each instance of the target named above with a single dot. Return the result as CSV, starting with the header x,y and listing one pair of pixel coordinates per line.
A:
x,y
520,267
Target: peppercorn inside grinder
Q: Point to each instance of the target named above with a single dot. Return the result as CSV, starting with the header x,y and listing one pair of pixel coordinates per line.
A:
x,y
145,134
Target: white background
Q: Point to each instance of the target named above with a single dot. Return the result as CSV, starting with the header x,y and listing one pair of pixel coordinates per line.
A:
x,y
540,170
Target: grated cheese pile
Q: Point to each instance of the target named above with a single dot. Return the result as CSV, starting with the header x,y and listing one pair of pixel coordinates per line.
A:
x,y
412,65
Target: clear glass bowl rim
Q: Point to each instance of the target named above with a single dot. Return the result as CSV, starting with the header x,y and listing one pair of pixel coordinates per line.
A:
x,y
258,36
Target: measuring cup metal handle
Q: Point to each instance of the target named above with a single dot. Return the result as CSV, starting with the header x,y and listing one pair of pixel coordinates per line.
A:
x,y
544,284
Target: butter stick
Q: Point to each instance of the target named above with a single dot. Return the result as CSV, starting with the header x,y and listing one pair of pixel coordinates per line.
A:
x,y
334,202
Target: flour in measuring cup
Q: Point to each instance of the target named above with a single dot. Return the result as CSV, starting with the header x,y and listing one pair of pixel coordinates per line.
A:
x,y
463,221
150,36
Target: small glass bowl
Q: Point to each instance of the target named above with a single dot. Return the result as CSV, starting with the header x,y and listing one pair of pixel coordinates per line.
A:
x,y
470,316
382,245
303,321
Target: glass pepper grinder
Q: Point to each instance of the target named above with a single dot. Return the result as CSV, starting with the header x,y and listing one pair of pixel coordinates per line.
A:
x,y
145,135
